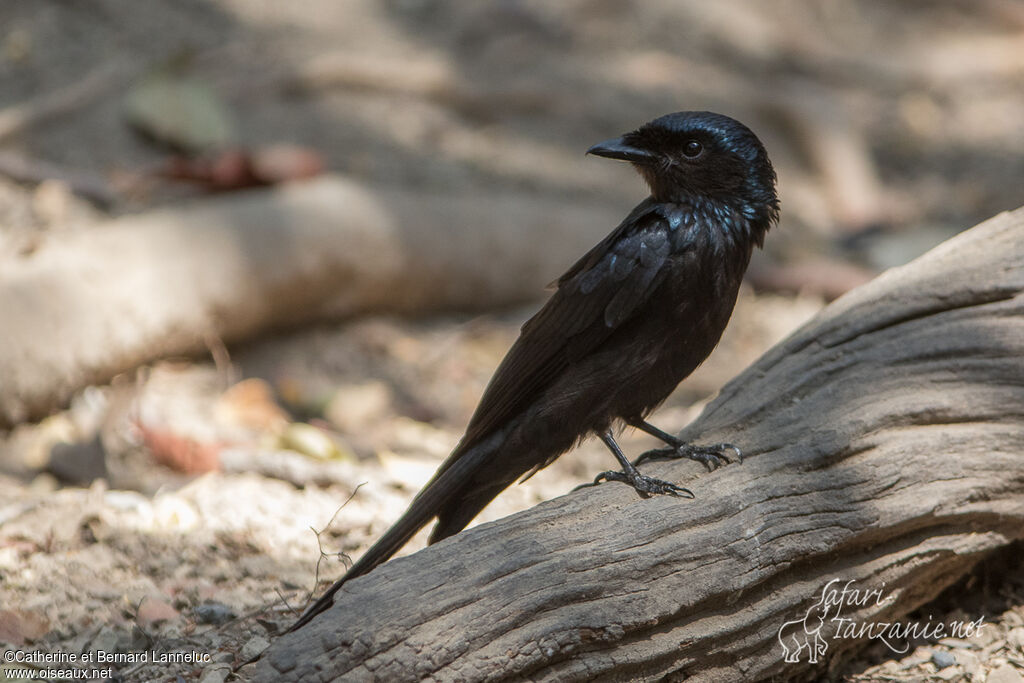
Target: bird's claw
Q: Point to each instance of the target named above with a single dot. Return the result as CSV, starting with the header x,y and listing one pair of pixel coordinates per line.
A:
x,y
711,456
644,485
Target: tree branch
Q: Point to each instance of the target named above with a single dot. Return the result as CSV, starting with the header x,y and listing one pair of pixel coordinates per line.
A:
x,y
884,443
102,301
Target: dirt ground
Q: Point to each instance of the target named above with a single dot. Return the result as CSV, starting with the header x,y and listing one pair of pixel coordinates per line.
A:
x,y
190,507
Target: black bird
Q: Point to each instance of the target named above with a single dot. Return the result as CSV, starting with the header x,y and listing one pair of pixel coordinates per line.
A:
x,y
628,322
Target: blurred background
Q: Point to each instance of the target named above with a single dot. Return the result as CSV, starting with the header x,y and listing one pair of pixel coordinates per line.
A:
x,y
880,117
160,473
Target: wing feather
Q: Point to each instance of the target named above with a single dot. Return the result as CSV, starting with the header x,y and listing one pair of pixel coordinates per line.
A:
x,y
594,297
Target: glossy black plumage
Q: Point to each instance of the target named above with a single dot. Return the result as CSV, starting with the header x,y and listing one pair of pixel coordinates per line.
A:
x,y
627,322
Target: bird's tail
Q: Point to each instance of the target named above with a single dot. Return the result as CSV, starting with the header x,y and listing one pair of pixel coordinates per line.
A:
x,y
451,479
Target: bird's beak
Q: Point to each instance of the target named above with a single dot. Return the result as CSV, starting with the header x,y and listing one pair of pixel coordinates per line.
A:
x,y
618,148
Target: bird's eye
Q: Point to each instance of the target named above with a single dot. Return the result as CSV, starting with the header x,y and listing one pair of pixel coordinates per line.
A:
x,y
693,149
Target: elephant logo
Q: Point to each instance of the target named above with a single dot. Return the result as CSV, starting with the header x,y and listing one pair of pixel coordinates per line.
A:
x,y
805,634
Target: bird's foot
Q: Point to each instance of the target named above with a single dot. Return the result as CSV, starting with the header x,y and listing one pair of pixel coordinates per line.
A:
x,y
644,485
712,456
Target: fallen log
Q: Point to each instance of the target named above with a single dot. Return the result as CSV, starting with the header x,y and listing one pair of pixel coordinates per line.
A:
x,y
885,450
92,304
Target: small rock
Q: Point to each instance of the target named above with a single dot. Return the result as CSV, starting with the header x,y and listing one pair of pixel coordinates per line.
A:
x,y
214,613
1005,674
254,647
174,513
20,627
986,652
184,112
279,163
79,463
969,661
215,673
30,448
1016,637
94,529
80,641
941,659
273,627
984,634
128,501
920,655
44,483
105,641
250,404
135,641
153,611
181,452
308,440
958,644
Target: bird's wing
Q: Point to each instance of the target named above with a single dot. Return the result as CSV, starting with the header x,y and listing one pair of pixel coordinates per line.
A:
x,y
594,297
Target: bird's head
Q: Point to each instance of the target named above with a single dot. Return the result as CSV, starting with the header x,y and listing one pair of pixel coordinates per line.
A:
x,y
697,157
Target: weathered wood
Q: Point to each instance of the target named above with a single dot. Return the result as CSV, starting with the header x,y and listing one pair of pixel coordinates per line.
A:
x,y
884,442
95,303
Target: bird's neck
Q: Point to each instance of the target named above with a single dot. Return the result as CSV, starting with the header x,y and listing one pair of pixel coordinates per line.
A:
x,y
736,225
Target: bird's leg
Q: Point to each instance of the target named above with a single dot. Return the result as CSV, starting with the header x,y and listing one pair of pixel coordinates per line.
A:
x,y
711,456
629,475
